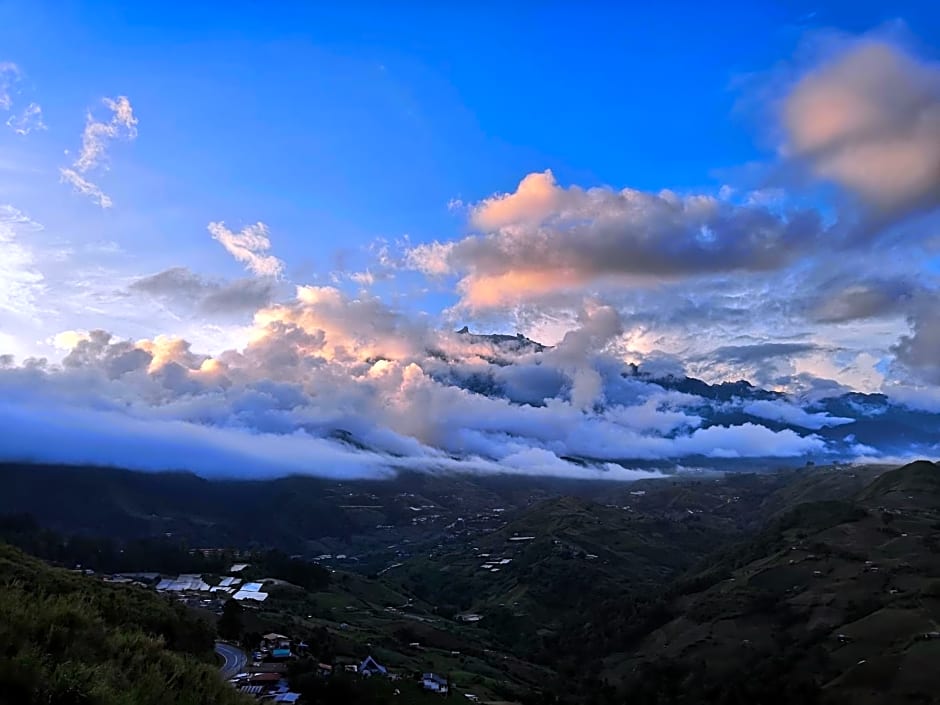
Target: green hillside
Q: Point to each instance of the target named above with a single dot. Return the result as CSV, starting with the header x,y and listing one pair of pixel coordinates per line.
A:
x,y
68,639
834,602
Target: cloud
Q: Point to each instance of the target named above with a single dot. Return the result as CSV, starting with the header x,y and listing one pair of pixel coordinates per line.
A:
x,y
183,289
544,238
97,134
9,75
919,352
347,386
95,139
29,119
841,300
761,352
249,246
20,279
791,414
869,120
85,187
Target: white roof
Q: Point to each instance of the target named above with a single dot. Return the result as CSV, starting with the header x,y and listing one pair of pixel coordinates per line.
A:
x,y
253,595
219,588
238,568
252,587
227,581
164,584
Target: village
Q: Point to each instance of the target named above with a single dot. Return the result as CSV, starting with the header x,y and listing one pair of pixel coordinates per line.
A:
x,y
264,675
259,666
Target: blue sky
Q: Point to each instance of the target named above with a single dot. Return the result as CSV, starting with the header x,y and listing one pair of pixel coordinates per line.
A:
x,y
339,126
745,190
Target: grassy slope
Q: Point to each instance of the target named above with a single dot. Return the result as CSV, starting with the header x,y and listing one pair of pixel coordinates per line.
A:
x,y
836,593
67,638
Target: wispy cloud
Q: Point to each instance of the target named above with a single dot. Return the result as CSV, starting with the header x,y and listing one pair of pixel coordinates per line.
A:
x,y
20,280
85,187
9,75
28,120
249,247
95,139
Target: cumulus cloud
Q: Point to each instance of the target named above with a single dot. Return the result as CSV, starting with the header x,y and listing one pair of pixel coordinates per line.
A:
x,y
343,386
543,238
183,289
869,120
95,139
249,246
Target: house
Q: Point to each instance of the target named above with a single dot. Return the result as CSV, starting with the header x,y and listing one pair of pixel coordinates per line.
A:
x,y
435,683
281,654
371,667
324,670
274,640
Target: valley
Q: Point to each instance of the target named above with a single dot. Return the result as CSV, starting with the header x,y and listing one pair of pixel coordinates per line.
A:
x,y
675,590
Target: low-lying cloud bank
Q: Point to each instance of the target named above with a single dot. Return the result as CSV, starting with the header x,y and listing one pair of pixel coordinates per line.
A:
x,y
341,387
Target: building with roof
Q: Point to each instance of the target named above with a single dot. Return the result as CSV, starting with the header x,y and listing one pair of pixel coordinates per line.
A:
x,y
435,683
371,667
253,595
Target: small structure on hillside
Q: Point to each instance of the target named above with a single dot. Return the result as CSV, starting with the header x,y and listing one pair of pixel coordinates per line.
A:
x,y
371,667
435,683
273,640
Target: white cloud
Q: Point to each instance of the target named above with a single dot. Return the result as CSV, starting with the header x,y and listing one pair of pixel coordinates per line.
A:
x,y
249,247
29,119
95,139
20,279
97,134
9,75
85,187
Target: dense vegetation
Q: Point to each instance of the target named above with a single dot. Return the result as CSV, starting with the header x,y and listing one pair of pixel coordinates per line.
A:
x,y
68,639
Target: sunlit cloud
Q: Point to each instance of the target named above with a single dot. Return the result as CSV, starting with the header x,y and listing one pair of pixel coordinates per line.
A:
x,y
249,247
869,119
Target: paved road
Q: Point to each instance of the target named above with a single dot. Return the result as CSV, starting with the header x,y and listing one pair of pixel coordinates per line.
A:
x,y
235,659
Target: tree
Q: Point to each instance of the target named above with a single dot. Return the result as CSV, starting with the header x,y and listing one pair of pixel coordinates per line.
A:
x,y
230,623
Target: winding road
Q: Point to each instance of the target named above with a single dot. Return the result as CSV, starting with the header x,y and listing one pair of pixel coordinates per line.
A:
x,y
235,659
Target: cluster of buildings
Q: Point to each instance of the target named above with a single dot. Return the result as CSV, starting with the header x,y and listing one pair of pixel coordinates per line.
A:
x,y
265,677
229,586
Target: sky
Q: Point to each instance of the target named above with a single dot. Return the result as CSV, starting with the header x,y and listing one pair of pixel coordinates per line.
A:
x,y
243,238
